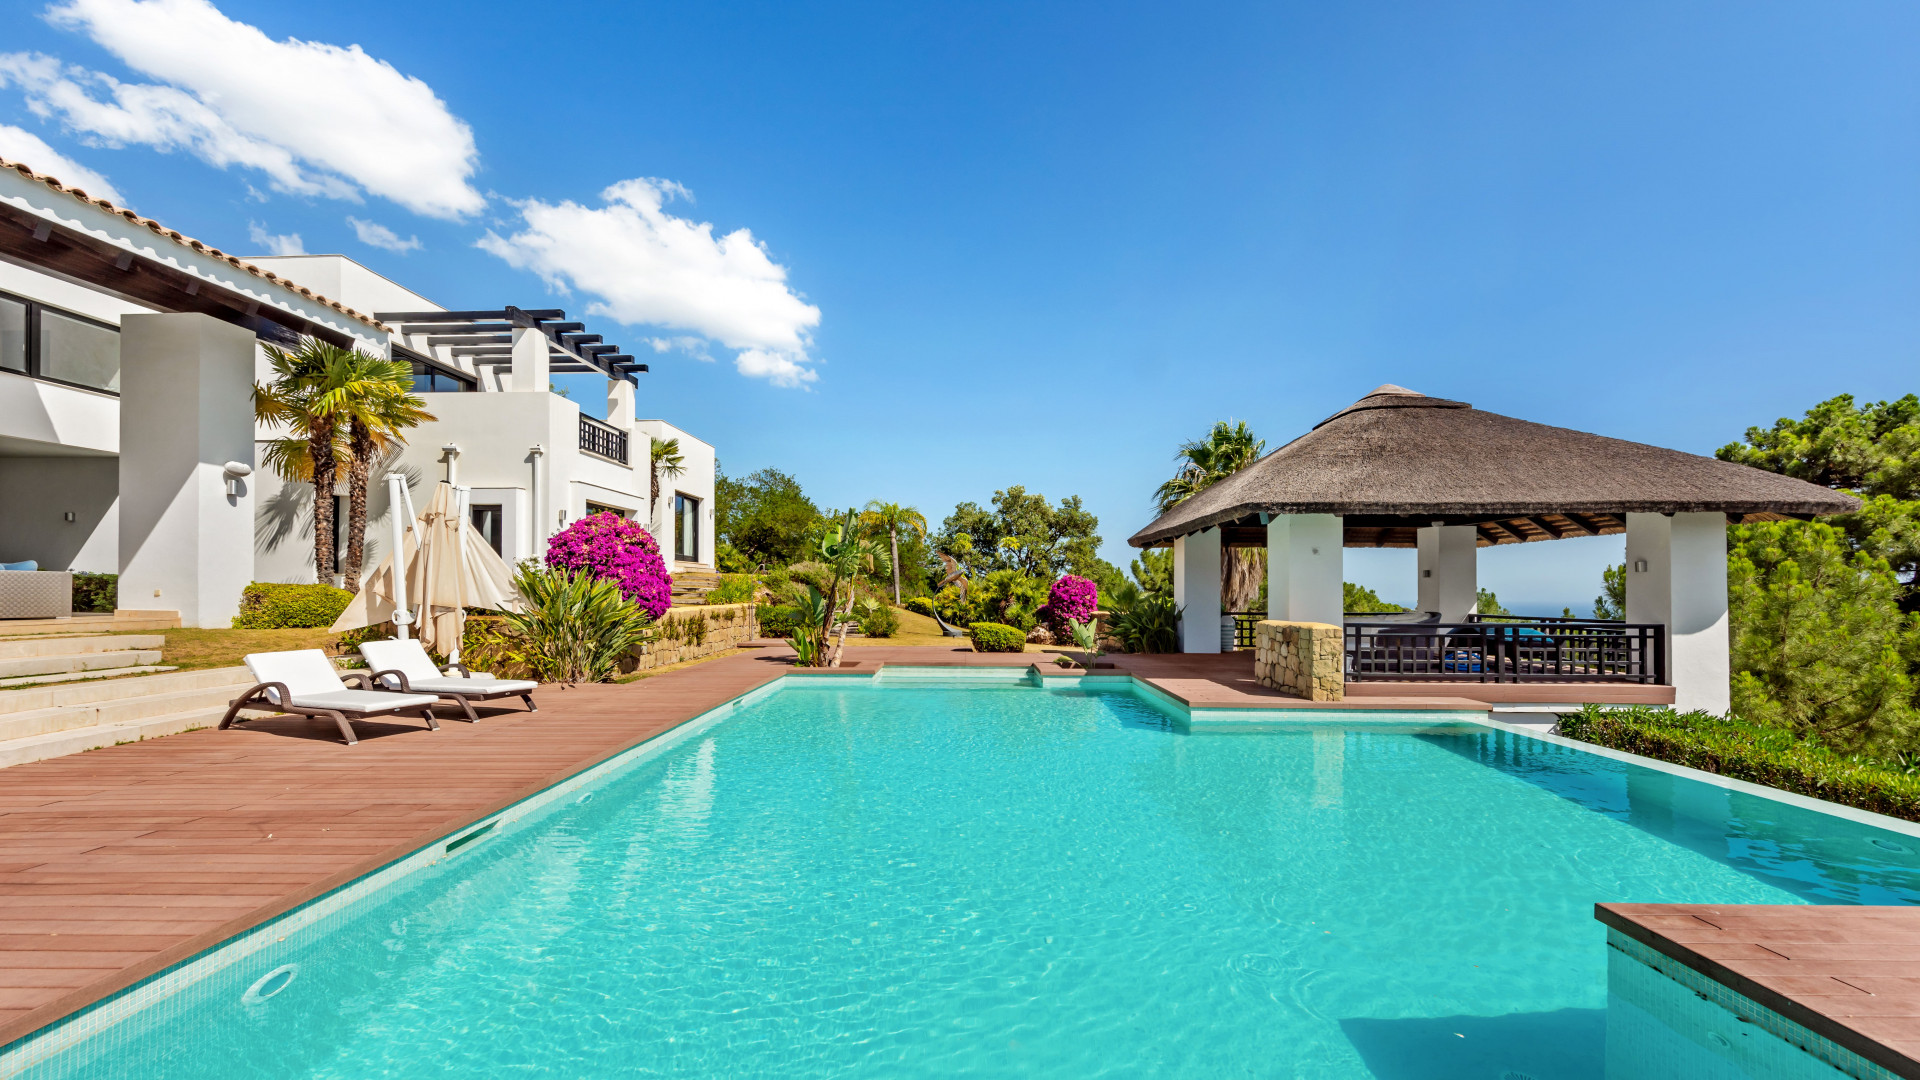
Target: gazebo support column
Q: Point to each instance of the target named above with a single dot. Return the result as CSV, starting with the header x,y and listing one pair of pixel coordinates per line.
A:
x,y
1677,577
1196,590
1449,570
1305,562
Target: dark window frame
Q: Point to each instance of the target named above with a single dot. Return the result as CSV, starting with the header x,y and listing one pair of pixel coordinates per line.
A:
x,y
32,357
428,366
680,537
476,515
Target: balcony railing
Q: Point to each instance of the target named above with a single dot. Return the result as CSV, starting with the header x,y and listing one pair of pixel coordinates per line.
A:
x,y
1508,651
604,440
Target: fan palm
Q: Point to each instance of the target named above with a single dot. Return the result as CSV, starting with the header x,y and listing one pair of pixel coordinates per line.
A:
x,y
1229,447
894,519
664,459
382,408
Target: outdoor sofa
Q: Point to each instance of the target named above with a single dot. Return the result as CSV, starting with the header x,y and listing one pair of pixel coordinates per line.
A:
x,y
28,592
306,683
404,665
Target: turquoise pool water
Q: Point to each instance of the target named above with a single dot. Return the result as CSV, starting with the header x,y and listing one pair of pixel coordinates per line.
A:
x,y
1010,881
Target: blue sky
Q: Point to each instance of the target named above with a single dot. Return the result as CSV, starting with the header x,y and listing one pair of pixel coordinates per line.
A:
x,y
1042,244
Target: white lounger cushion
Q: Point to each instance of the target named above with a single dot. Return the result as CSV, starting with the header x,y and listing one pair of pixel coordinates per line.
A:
x,y
315,683
488,685
410,658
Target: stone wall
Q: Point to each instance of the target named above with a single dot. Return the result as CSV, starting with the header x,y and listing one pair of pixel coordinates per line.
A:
x,y
688,633
1301,658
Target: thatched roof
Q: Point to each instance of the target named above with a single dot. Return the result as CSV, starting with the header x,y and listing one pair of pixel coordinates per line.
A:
x,y
1396,460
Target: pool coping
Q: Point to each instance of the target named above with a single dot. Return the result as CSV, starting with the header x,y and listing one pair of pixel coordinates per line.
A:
x,y
16,1032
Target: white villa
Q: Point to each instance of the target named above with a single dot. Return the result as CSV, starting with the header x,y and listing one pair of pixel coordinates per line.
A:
x,y
128,353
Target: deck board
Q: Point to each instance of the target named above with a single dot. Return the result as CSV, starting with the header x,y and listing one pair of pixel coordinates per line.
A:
x,y
1850,974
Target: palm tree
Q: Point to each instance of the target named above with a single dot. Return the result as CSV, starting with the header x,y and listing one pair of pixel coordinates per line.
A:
x,y
1229,447
325,394
383,407
665,460
894,519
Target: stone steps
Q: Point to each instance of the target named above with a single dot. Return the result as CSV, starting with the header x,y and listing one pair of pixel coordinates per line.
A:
x,y
52,721
60,655
76,676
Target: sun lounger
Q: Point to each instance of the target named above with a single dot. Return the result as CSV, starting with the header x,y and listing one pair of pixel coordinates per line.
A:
x,y
406,667
306,683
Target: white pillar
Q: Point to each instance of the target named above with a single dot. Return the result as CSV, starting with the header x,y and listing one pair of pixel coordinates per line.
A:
x,y
1305,565
186,545
1196,590
620,407
1449,570
530,374
1677,577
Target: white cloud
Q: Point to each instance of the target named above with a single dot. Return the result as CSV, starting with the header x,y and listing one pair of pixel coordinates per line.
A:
x,y
374,234
276,244
649,267
23,146
317,119
778,368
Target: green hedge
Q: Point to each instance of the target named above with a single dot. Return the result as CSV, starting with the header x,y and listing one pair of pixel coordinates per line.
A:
x,y
778,620
95,592
921,605
996,637
1771,756
267,606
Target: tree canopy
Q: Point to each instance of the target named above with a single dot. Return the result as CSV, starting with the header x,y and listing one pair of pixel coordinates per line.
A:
x,y
763,519
1023,532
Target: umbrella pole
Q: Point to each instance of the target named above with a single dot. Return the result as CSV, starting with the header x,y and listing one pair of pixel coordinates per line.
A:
x,y
462,495
399,505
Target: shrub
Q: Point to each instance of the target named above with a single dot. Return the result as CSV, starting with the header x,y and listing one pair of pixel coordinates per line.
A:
x,y
1072,599
921,605
1762,755
612,548
690,628
95,592
778,620
1150,626
952,606
877,619
268,606
577,627
1008,597
997,637
488,644
734,589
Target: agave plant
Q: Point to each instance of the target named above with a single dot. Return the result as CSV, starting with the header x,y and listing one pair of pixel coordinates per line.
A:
x,y
1149,626
577,627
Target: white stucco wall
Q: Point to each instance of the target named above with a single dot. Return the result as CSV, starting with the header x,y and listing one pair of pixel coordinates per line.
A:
x,y
696,481
37,494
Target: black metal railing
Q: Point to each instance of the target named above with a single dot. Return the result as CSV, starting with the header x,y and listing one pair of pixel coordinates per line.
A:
x,y
1522,650
603,439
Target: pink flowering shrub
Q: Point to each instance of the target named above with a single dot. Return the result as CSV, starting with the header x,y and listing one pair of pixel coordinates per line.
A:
x,y
612,547
1072,598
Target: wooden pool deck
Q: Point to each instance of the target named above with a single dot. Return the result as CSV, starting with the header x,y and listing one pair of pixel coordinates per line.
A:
x,y
120,862
1848,974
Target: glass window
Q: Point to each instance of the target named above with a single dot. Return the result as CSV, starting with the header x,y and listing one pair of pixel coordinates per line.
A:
x,y
79,352
687,534
486,522
13,336
428,379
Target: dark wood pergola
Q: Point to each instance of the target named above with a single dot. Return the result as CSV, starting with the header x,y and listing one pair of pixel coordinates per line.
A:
x,y
486,338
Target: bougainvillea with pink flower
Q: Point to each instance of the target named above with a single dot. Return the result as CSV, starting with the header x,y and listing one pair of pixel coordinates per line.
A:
x,y
1072,598
612,547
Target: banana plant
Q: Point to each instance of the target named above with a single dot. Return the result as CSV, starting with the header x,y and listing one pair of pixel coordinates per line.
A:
x,y
845,553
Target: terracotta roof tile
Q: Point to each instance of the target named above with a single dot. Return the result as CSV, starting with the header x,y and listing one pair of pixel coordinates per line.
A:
x,y
189,242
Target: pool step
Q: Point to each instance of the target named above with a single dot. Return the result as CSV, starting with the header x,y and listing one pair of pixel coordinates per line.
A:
x,y
51,721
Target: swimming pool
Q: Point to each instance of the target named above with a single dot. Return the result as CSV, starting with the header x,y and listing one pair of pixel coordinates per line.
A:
x,y
940,878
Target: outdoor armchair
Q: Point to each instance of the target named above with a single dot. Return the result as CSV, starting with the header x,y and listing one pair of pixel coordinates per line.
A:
x,y
306,683
405,666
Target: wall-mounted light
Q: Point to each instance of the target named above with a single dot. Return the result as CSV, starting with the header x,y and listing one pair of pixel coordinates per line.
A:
x,y
68,515
1426,573
1639,566
235,472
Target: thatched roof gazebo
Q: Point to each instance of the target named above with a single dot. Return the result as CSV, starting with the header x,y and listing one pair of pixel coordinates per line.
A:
x,y
1400,469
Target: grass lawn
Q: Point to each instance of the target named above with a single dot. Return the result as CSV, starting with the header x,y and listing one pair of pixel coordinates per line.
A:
x,y
194,647
917,629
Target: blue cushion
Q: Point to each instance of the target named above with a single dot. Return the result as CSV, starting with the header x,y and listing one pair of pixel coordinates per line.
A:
x,y
30,564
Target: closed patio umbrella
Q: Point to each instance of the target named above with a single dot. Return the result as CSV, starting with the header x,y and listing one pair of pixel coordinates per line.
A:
x,y
449,567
